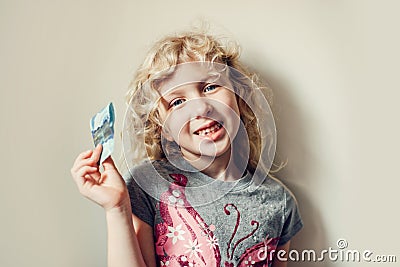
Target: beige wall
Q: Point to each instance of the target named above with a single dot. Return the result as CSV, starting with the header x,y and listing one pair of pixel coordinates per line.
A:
x,y
334,67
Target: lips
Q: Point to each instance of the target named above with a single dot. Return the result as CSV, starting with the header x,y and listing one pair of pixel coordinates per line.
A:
x,y
208,129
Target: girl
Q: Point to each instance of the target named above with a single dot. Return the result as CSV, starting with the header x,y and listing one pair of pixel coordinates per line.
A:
x,y
198,191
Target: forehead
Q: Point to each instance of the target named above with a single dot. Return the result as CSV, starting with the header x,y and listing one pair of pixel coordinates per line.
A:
x,y
194,72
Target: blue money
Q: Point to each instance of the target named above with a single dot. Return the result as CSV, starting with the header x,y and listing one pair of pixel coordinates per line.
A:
x,y
102,128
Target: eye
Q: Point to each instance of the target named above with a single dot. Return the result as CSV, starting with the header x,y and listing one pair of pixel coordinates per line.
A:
x,y
210,87
176,102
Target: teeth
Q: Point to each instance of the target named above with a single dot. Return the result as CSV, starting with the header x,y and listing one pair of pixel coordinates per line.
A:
x,y
209,130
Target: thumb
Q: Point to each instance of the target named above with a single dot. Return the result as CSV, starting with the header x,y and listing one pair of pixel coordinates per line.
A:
x,y
108,164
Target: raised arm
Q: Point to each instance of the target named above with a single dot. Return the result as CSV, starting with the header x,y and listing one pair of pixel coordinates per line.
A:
x,y
128,245
108,190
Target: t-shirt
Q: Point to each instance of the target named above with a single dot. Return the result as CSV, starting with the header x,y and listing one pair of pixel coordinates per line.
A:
x,y
201,221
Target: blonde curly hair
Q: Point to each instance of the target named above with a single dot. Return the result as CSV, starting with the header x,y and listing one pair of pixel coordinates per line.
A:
x,y
143,122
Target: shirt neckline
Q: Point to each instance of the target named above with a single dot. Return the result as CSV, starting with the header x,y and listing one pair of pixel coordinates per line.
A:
x,y
200,179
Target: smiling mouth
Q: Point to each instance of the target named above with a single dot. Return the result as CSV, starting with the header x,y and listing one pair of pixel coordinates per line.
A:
x,y
209,129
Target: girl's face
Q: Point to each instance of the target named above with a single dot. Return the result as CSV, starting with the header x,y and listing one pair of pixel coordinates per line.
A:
x,y
199,111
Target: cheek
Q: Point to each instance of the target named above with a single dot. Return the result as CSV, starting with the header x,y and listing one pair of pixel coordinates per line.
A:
x,y
176,122
232,114
230,105
229,99
234,103
234,106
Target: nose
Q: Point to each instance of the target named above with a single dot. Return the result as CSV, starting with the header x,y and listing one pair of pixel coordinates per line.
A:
x,y
201,108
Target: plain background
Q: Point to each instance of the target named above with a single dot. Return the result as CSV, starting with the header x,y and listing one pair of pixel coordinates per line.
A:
x,y
334,68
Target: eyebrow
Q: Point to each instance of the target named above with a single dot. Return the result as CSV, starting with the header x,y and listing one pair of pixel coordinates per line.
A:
x,y
171,93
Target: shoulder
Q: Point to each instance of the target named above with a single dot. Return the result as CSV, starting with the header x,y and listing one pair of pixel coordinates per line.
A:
x,y
276,190
292,221
149,176
148,168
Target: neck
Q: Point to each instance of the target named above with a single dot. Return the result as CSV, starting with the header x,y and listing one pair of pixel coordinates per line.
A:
x,y
222,167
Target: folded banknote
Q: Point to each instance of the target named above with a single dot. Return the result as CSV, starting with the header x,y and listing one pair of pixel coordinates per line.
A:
x,y
102,128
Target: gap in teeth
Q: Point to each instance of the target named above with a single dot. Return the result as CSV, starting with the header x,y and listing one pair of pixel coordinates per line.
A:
x,y
209,130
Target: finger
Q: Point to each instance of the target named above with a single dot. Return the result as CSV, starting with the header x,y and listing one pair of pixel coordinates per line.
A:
x,y
81,156
85,170
97,152
84,155
79,164
85,162
84,183
108,164
93,178
96,176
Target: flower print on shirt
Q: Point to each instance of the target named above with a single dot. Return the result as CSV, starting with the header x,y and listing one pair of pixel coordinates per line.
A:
x,y
174,198
176,233
180,221
193,248
212,242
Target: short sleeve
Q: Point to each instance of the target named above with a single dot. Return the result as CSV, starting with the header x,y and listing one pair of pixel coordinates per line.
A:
x,y
292,219
141,203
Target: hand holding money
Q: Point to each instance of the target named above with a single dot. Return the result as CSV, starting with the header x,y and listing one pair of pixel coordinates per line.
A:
x,y
106,188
